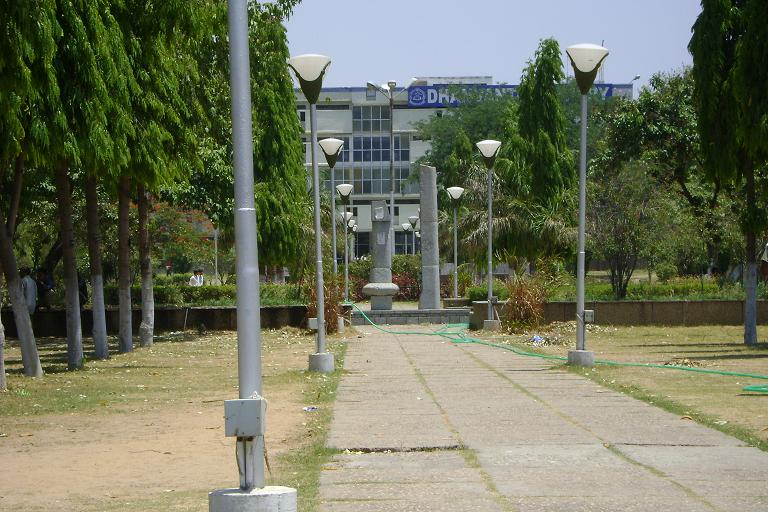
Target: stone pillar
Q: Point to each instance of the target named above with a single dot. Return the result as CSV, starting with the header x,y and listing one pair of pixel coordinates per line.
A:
x,y
430,254
381,289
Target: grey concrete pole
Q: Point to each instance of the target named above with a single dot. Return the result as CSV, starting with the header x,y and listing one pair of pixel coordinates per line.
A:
x,y
490,242
455,253
333,219
250,451
413,236
391,175
430,256
320,345
580,334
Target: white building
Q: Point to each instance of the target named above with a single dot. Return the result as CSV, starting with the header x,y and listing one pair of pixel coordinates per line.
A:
x,y
360,116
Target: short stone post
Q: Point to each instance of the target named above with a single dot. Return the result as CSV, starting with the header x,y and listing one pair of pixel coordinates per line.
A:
x,y
430,253
381,289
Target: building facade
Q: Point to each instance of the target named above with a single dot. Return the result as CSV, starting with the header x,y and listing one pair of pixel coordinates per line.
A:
x,y
361,117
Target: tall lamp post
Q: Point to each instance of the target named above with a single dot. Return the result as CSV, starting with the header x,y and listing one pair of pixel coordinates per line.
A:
x,y
354,242
406,228
586,60
345,192
455,194
332,149
413,220
245,417
489,149
309,70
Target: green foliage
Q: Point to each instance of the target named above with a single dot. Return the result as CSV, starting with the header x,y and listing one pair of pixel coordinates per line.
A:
x,y
361,268
541,123
481,292
180,294
281,198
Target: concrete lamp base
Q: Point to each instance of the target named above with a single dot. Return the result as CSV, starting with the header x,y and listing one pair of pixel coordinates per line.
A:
x,y
491,325
581,358
322,363
266,499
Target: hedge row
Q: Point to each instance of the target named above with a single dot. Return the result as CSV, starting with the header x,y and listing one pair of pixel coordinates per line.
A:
x,y
224,295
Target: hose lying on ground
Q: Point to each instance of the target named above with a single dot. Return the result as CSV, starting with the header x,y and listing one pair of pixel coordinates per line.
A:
x,y
455,334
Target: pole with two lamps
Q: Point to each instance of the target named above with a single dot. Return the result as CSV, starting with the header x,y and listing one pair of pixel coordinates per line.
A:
x,y
345,193
332,149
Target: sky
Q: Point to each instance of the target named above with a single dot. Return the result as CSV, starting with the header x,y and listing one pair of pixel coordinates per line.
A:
x,y
400,39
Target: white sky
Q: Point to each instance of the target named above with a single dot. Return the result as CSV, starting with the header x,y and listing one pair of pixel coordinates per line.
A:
x,y
399,39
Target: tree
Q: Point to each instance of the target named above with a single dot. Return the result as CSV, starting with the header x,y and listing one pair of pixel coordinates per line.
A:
x,y
28,86
729,47
278,160
541,123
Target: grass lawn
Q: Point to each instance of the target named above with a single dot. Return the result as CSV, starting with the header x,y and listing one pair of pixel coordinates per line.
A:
x,y
715,400
144,431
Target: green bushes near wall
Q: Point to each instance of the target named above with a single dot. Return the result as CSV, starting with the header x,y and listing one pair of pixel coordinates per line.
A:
x,y
224,295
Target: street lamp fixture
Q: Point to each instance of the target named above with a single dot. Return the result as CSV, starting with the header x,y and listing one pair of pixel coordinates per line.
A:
x,y
309,70
455,194
332,149
489,149
586,60
413,219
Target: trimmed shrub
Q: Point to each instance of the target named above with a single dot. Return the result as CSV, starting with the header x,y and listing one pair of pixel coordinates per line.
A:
x,y
481,292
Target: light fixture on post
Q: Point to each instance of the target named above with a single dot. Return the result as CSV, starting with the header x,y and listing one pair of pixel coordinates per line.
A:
x,y
354,242
586,60
332,149
489,149
413,220
345,192
455,194
406,228
245,418
309,70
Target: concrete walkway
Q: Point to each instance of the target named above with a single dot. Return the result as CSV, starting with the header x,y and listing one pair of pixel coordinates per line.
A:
x,y
427,425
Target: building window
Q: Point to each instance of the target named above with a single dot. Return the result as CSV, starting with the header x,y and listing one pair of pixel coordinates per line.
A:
x,y
373,118
403,242
362,243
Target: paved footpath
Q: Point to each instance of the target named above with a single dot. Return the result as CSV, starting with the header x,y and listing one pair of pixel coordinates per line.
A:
x,y
427,425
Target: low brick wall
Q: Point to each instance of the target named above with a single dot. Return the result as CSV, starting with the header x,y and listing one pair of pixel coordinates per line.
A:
x,y
669,312
54,323
413,316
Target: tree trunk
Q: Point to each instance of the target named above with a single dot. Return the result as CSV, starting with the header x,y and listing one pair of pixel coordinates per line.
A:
x,y
3,385
750,274
124,265
13,210
71,288
29,356
54,256
101,347
147,327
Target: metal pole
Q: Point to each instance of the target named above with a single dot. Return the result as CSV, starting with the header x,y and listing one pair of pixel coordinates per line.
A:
x,y
346,258
333,219
580,334
455,254
250,451
318,234
413,236
490,242
391,175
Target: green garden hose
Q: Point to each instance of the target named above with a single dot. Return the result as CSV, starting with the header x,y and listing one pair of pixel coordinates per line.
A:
x,y
455,334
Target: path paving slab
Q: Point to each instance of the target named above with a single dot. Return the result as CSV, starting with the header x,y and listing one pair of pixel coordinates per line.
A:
x,y
435,426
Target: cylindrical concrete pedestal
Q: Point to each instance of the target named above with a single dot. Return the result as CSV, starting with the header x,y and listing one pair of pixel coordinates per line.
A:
x,y
266,499
322,363
430,251
581,358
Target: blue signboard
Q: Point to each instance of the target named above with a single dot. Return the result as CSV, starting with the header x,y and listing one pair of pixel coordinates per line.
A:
x,y
439,96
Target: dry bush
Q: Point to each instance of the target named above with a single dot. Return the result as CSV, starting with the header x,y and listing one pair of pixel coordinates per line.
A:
x,y
525,307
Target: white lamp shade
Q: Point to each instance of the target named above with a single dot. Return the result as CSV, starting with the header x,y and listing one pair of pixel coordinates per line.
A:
x,y
413,219
309,66
351,223
586,57
488,148
406,226
344,189
455,192
354,228
347,216
331,146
